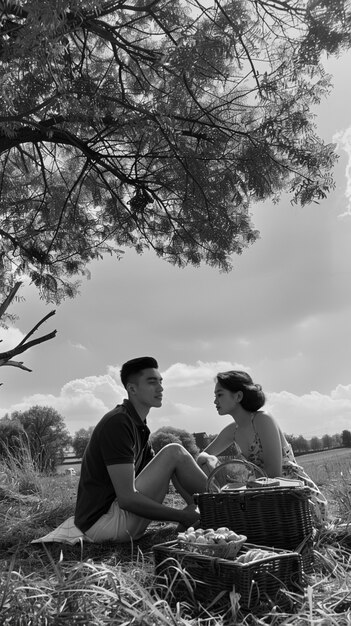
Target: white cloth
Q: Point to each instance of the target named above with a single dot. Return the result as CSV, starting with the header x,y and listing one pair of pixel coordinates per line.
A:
x,y
67,532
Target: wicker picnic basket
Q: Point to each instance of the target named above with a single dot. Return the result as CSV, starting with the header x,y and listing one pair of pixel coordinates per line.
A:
x,y
204,581
271,516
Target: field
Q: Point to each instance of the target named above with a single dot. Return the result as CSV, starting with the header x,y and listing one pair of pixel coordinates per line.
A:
x,y
322,466
43,584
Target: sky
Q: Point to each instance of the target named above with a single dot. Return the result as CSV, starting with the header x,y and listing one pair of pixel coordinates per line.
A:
x,y
283,314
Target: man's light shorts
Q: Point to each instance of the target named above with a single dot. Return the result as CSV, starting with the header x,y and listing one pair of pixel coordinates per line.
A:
x,y
117,525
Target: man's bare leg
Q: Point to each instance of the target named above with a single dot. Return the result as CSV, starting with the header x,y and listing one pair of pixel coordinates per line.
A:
x,y
172,463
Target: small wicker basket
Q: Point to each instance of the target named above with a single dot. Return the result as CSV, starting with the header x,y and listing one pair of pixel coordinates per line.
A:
x,y
203,581
227,550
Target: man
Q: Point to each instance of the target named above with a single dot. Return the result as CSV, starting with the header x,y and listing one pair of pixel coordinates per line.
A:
x,y
122,484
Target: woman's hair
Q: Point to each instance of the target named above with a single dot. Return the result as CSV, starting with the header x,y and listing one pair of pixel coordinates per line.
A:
x,y
253,396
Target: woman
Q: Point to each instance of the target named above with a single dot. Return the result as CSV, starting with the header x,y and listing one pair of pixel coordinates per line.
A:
x,y
256,435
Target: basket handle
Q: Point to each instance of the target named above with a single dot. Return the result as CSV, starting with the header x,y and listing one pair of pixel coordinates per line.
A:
x,y
251,466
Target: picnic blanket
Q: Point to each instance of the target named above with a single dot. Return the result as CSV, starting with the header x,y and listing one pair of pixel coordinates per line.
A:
x,y
67,532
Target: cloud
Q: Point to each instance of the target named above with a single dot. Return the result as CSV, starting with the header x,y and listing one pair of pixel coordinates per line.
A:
x,y
183,375
81,402
78,346
177,414
343,140
188,402
10,337
342,392
312,414
242,341
309,322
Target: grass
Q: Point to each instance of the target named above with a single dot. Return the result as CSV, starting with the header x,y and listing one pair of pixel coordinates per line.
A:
x,y
114,584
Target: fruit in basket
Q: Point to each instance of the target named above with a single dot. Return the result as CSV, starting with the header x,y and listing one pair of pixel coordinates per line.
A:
x,y
255,554
209,536
201,539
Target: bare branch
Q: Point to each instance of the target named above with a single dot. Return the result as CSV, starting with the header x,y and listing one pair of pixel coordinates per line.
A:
x,y
16,364
6,356
31,332
4,306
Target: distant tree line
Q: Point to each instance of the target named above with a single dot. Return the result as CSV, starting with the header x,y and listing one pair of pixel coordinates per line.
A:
x,y
299,444
42,430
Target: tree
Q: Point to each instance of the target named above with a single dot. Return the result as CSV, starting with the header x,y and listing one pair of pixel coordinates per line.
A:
x,y
6,358
299,444
11,436
346,438
336,441
315,443
169,434
302,445
159,439
47,435
327,442
81,439
155,125
291,439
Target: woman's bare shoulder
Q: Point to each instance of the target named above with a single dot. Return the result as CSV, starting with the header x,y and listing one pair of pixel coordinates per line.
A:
x,y
263,418
229,428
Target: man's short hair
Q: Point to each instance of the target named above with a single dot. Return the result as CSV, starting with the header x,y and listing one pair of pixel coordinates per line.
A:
x,y
135,366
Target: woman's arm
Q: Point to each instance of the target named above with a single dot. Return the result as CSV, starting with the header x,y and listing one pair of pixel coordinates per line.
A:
x,y
269,434
207,459
222,441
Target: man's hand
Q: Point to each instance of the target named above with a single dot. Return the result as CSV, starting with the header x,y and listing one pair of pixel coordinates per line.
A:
x,y
190,515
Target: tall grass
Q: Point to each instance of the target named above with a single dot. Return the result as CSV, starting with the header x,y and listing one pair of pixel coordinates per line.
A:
x,y
110,584
29,501
18,475
332,473
326,467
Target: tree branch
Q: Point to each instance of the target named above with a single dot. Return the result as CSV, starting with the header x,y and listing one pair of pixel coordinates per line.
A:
x,y
4,306
56,136
31,332
18,364
6,356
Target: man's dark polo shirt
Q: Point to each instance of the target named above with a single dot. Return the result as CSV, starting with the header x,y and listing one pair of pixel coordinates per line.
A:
x,y
120,437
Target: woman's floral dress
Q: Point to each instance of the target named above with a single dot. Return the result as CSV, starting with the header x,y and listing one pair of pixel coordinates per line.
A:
x,y
291,469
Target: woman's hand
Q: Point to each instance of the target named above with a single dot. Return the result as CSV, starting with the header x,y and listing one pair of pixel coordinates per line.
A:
x,y
207,462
